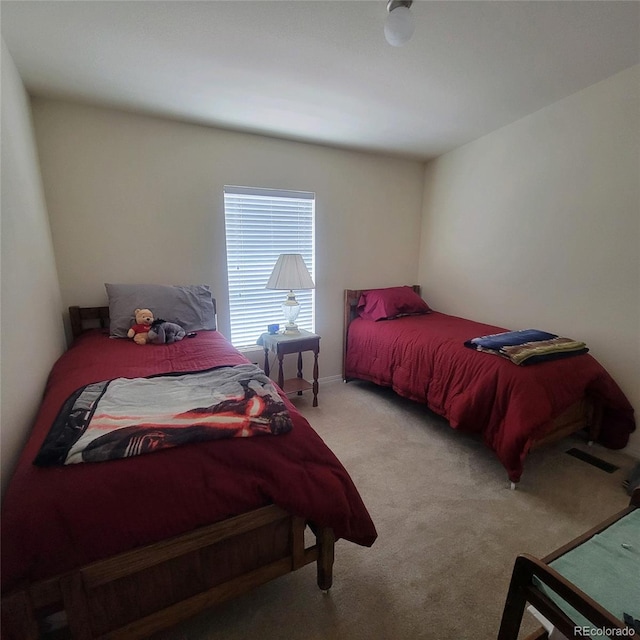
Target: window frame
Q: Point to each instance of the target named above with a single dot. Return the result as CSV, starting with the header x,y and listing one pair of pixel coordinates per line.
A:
x,y
266,237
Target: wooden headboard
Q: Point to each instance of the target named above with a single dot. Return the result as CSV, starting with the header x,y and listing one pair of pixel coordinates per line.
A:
x,y
351,297
84,318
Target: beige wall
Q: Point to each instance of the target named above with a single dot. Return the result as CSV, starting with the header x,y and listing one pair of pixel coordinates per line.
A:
x,y
140,199
538,225
32,335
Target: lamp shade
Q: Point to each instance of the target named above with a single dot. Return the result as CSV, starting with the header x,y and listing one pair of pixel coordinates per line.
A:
x,y
289,273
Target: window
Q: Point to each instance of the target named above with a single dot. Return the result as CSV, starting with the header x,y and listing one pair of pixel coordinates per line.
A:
x,y
260,225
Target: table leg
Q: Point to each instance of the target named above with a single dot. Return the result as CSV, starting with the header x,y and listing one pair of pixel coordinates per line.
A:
x,y
266,362
280,371
315,378
300,368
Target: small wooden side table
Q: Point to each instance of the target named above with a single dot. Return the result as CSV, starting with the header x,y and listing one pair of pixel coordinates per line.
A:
x,y
281,344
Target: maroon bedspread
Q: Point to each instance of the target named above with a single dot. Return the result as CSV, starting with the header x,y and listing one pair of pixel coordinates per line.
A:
x,y
57,518
424,358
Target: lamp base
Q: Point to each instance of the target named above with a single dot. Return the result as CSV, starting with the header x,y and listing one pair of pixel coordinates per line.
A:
x,y
291,329
291,309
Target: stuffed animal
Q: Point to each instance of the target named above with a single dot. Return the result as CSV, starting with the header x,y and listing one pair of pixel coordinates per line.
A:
x,y
140,330
163,332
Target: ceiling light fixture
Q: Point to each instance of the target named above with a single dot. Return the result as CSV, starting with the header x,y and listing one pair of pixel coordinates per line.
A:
x,y
399,26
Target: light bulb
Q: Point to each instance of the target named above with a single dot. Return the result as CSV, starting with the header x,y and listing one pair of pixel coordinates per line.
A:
x,y
399,26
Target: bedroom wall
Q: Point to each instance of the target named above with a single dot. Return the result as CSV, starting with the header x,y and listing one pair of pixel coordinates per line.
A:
x,y
134,198
538,225
31,330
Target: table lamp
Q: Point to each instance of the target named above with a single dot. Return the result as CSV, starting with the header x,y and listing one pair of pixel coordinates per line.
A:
x,y
289,273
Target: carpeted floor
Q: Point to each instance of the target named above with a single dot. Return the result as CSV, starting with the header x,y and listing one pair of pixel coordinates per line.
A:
x,y
449,529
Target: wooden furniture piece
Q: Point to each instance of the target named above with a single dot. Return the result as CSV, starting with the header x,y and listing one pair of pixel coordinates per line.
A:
x,y
584,414
529,572
137,593
282,344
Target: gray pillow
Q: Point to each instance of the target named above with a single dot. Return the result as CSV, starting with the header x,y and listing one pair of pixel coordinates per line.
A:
x,y
191,306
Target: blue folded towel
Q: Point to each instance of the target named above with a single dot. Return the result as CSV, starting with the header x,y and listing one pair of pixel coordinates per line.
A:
x,y
510,339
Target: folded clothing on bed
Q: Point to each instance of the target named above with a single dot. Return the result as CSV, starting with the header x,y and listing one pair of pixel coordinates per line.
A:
x,y
528,346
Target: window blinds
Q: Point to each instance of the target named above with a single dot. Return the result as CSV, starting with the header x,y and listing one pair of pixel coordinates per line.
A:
x,y
261,224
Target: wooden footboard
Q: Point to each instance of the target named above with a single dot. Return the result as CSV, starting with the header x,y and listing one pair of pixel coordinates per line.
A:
x,y
140,592
584,414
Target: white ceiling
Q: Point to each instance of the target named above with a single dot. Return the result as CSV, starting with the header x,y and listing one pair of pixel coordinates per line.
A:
x,y
321,71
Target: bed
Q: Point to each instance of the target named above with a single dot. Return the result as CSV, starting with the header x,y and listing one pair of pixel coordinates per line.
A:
x,y
127,547
421,355
584,589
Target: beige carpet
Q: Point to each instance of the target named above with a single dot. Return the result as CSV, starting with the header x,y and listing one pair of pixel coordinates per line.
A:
x,y
449,529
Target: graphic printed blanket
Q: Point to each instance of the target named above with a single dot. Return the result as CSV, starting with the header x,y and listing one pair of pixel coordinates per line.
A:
x,y
126,417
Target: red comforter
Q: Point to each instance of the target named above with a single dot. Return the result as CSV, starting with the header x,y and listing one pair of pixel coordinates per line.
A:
x,y
57,518
424,358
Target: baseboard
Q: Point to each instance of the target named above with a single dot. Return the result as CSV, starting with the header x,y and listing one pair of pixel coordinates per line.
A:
x,y
633,450
328,379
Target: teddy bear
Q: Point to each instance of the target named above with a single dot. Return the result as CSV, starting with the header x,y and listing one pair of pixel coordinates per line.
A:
x,y
140,330
163,332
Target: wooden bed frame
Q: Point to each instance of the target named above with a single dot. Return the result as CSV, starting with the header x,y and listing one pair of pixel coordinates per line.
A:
x,y
585,414
139,592
522,589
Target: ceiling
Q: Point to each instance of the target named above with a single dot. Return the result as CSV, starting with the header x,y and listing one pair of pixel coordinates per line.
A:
x,y
321,71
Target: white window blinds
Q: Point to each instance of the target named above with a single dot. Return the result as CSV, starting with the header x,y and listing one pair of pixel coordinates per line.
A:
x,y
260,225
